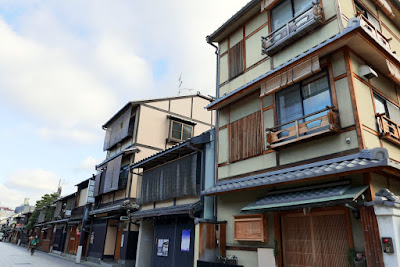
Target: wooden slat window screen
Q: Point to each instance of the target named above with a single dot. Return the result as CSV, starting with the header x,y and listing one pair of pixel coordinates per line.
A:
x,y
236,60
245,137
251,228
315,240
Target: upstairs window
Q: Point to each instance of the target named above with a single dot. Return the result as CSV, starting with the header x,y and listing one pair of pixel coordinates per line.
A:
x,y
362,10
180,131
304,98
235,59
288,10
384,106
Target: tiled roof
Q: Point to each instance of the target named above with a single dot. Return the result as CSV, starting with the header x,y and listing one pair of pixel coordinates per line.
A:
x,y
366,159
317,195
385,198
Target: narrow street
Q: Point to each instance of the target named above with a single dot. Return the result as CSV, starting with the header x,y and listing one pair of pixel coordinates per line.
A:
x,y
12,255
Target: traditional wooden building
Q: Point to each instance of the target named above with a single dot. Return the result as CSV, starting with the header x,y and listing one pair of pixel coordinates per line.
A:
x,y
170,202
307,130
138,130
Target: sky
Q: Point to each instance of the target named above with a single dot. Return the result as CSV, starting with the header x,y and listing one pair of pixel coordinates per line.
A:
x,y
67,66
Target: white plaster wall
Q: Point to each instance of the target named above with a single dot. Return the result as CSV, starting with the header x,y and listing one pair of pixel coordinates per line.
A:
x,y
145,244
389,226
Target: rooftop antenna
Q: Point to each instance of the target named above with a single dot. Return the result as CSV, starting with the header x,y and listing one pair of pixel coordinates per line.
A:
x,y
180,89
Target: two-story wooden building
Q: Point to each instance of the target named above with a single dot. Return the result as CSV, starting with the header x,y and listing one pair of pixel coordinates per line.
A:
x,y
138,130
307,129
171,205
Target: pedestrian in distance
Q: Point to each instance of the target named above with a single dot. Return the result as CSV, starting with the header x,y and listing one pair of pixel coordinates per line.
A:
x,y
29,242
34,243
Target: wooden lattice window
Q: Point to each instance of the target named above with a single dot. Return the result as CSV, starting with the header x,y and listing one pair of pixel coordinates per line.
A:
x,y
236,65
245,137
251,228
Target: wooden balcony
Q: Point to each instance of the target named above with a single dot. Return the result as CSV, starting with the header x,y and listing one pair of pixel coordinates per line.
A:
x,y
304,128
374,32
293,30
388,129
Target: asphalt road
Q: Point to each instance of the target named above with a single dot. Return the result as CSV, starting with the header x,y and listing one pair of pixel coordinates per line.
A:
x,y
11,255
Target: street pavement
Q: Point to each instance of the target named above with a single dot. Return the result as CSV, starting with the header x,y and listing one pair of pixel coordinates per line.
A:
x,y
13,256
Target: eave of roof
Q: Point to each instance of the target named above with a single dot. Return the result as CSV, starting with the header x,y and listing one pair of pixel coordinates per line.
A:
x,y
240,17
347,31
172,210
138,102
204,137
367,159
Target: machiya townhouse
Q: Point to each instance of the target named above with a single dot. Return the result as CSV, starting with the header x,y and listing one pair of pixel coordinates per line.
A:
x,y
307,135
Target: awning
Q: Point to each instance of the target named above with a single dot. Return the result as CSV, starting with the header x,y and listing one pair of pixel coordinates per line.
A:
x,y
128,150
315,196
173,210
364,161
115,207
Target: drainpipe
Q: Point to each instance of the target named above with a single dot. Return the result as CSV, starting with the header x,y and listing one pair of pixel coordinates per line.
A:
x,y
216,118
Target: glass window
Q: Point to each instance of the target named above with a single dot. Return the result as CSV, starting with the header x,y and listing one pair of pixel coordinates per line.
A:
x,y
288,10
176,130
300,6
380,105
281,14
369,16
316,95
304,98
289,104
181,131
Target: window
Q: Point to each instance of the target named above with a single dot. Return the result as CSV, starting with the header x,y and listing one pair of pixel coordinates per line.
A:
x,y
362,10
384,106
180,131
235,59
304,98
123,177
288,10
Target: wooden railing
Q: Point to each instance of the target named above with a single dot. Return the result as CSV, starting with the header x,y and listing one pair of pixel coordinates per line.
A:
x,y
283,134
388,129
374,32
292,30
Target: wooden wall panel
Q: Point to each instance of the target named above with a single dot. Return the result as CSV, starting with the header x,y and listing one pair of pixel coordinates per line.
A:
x,y
373,250
245,137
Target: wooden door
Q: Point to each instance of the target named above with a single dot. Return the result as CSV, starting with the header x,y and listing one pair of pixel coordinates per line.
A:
x,y
118,244
72,240
318,239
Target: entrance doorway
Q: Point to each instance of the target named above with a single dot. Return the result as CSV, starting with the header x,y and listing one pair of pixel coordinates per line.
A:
x,y
317,239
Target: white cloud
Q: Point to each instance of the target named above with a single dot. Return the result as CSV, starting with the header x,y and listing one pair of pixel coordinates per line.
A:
x,y
26,183
34,180
88,164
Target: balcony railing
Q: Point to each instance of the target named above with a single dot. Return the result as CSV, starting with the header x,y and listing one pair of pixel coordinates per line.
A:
x,y
293,30
374,32
318,123
388,129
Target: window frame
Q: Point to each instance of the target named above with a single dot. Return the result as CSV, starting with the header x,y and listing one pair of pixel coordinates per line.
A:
x,y
173,139
293,15
367,14
299,85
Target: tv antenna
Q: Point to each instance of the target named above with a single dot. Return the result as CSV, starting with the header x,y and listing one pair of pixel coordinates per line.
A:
x,y
180,82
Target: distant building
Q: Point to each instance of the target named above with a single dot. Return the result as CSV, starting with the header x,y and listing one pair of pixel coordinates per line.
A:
x,y
24,207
